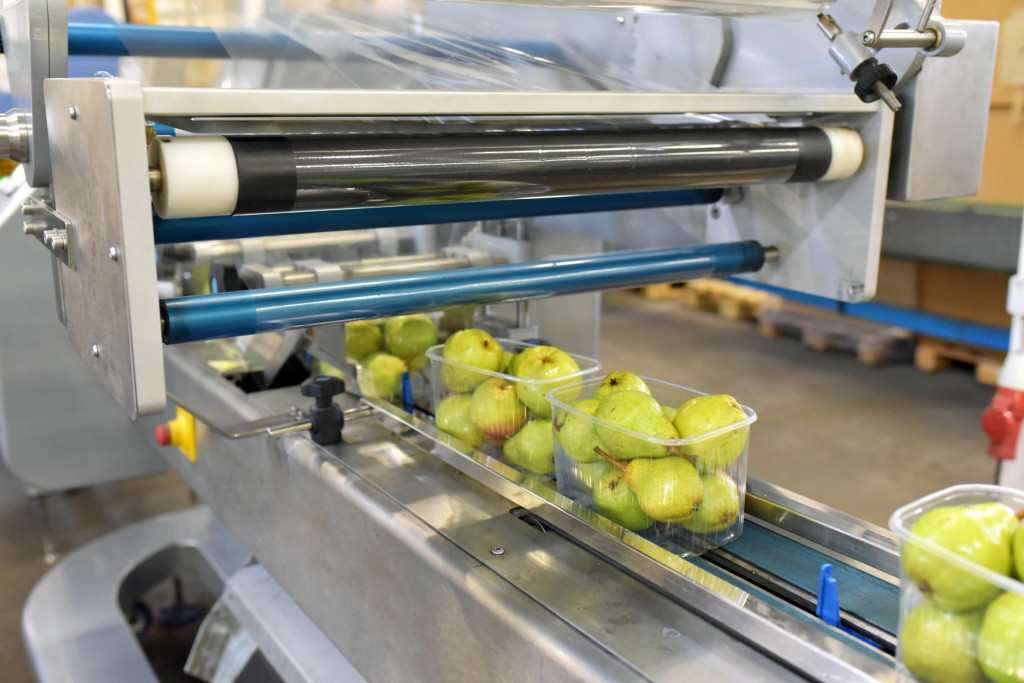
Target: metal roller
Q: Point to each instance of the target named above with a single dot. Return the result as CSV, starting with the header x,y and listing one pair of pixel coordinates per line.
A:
x,y
208,176
233,314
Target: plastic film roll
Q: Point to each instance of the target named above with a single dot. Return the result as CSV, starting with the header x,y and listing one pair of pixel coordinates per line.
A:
x,y
287,174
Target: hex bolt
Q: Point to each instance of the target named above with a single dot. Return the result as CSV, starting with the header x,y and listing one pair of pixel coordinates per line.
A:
x,y
497,551
96,350
73,112
56,240
113,253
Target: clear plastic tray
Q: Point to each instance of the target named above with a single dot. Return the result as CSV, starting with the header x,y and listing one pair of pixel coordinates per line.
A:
x,y
971,625
718,458
510,435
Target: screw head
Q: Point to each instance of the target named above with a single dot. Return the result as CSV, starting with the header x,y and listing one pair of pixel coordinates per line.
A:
x,y
73,112
497,551
715,212
621,20
868,38
96,350
113,253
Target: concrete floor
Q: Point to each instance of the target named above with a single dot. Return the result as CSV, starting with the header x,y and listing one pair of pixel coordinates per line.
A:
x,y
864,440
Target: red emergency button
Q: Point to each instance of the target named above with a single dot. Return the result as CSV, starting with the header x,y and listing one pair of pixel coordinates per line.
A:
x,y
1002,422
163,434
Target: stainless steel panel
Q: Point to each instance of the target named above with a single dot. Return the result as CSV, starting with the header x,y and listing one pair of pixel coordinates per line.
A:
x,y
940,133
98,147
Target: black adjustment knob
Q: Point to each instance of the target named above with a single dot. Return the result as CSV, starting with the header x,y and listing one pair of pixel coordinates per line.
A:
x,y
326,416
868,75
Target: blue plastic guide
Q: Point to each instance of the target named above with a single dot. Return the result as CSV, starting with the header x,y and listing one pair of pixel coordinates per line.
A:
x,y
828,604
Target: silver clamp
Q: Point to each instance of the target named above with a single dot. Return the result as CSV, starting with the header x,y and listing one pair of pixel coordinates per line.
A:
x,y
49,227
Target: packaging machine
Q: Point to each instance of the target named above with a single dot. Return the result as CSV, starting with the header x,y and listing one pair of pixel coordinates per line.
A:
x,y
518,158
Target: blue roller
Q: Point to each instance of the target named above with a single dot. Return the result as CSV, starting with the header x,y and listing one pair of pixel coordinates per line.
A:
x,y
213,316
359,218
142,40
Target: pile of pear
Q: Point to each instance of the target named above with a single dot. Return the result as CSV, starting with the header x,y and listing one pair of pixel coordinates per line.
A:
x,y
617,439
386,349
497,398
967,629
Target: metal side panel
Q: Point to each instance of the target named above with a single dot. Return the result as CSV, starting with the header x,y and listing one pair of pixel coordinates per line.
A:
x,y
416,572
98,146
74,629
59,427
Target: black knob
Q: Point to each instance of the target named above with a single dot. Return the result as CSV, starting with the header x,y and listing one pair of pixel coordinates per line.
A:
x,y
326,417
867,74
324,389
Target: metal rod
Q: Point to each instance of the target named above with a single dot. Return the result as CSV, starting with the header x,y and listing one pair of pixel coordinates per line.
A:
x,y
360,218
139,40
926,15
240,313
925,39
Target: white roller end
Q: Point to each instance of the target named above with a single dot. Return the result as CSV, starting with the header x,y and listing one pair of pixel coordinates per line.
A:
x,y
847,152
199,176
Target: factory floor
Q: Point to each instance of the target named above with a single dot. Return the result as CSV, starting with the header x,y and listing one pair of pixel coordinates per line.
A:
x,y
862,439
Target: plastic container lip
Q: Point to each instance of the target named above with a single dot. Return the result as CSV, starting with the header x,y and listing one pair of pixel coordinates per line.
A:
x,y
900,523
553,399
587,365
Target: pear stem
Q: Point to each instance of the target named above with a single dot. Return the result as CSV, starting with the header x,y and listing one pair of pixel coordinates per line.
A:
x,y
597,449
1020,514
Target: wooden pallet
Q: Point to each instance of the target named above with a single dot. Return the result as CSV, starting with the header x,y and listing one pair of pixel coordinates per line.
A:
x,y
933,355
822,330
726,298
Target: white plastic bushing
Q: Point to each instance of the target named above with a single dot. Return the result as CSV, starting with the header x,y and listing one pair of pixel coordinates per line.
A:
x,y
847,152
199,176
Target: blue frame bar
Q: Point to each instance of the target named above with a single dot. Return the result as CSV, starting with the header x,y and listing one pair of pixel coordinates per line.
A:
x,y
212,316
929,324
360,218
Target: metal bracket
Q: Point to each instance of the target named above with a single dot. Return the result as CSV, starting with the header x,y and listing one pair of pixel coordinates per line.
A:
x,y
110,295
35,42
55,231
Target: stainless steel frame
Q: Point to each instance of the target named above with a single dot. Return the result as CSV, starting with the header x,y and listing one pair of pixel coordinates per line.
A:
x,y
382,500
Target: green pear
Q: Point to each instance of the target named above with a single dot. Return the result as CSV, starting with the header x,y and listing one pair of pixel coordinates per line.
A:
x,y
381,375
453,417
637,412
588,473
669,412
615,500
470,348
362,338
981,533
1018,550
1001,641
703,414
513,364
532,447
620,380
668,489
941,647
506,358
720,507
496,410
545,363
576,432
409,336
